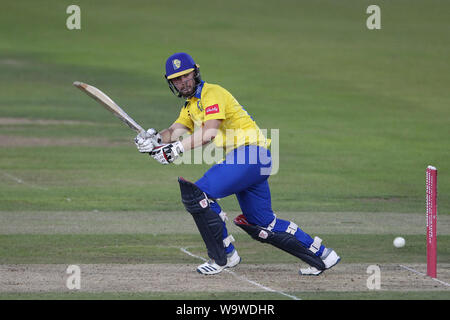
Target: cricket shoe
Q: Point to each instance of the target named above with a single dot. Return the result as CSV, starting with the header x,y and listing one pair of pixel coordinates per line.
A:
x,y
233,259
329,258
211,267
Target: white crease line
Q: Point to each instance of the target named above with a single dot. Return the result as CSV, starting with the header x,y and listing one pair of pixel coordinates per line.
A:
x,y
18,180
423,274
244,278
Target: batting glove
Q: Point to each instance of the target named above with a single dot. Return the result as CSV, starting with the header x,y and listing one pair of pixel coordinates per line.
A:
x,y
148,140
167,153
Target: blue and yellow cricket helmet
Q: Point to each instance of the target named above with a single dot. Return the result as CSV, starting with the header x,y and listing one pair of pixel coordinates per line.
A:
x,y
178,64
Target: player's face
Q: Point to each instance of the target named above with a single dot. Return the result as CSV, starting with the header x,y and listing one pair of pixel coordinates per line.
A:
x,y
185,83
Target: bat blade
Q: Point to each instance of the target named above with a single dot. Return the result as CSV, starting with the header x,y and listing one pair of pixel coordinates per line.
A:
x,y
108,104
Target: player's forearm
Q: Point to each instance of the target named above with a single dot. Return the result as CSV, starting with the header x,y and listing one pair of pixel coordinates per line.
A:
x,y
171,135
166,135
199,138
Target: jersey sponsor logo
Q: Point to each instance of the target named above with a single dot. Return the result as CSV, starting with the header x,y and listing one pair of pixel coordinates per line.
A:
x,y
176,64
212,109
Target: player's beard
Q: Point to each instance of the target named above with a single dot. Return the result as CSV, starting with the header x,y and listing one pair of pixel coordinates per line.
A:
x,y
188,89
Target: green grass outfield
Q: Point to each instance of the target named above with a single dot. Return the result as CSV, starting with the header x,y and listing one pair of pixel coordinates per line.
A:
x,y
361,113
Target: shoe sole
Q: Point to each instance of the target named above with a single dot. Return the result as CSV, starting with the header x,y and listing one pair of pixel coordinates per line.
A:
x,y
310,274
209,273
321,271
219,271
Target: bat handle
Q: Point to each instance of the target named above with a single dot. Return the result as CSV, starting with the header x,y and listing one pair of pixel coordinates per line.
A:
x,y
143,134
147,135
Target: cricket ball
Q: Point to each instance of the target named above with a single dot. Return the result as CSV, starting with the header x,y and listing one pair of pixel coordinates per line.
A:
x,y
399,242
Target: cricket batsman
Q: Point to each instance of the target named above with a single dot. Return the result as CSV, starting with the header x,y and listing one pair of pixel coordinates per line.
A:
x,y
210,114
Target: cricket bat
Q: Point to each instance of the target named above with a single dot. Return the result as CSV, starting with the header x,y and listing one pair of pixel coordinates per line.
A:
x,y
109,105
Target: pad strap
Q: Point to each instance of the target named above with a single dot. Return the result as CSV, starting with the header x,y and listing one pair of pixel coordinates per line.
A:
x,y
292,228
272,224
223,216
228,240
315,246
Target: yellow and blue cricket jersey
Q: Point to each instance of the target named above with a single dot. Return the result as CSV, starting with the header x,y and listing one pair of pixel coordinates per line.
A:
x,y
210,102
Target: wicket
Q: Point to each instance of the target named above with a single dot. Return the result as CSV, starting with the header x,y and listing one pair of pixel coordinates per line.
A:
x,y
431,205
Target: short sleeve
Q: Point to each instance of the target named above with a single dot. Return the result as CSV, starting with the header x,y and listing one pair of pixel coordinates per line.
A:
x,y
215,105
